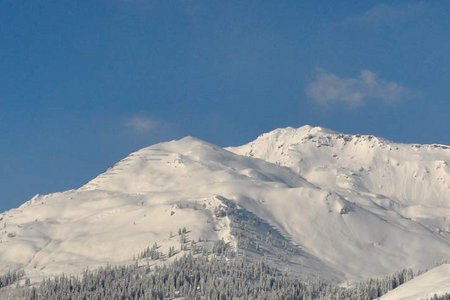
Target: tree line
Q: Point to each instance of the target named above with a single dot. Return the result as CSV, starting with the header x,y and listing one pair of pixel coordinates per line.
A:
x,y
205,277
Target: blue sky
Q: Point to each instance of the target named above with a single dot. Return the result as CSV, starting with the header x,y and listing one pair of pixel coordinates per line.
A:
x,y
84,83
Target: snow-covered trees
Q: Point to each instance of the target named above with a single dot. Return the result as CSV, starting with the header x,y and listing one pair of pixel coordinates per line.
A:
x,y
443,297
205,277
10,278
151,253
172,251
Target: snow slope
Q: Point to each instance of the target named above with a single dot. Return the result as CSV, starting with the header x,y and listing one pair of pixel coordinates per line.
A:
x,y
143,199
366,163
310,200
410,180
425,286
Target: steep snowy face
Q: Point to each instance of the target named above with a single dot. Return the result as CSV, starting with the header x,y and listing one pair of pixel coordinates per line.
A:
x,y
434,282
411,179
309,200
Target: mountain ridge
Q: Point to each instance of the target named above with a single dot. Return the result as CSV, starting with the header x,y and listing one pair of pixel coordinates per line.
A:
x,y
303,185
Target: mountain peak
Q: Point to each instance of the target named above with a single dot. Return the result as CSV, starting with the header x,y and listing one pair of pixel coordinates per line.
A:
x,y
328,158
305,129
294,135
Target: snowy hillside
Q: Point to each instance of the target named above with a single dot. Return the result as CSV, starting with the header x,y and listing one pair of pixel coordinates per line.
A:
x,y
405,174
412,181
435,281
308,200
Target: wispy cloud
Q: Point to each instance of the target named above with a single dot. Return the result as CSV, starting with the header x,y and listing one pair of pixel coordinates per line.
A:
x,y
142,123
386,13
328,89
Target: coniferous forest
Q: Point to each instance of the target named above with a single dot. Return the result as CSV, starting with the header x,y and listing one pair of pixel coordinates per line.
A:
x,y
10,278
203,277
215,273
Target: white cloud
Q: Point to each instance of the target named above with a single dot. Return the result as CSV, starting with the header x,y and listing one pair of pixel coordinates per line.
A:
x,y
142,123
386,13
327,89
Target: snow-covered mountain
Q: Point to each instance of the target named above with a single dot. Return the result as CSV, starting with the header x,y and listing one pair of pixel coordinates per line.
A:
x,y
309,200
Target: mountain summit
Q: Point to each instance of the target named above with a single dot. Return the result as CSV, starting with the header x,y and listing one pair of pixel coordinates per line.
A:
x,y
308,200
